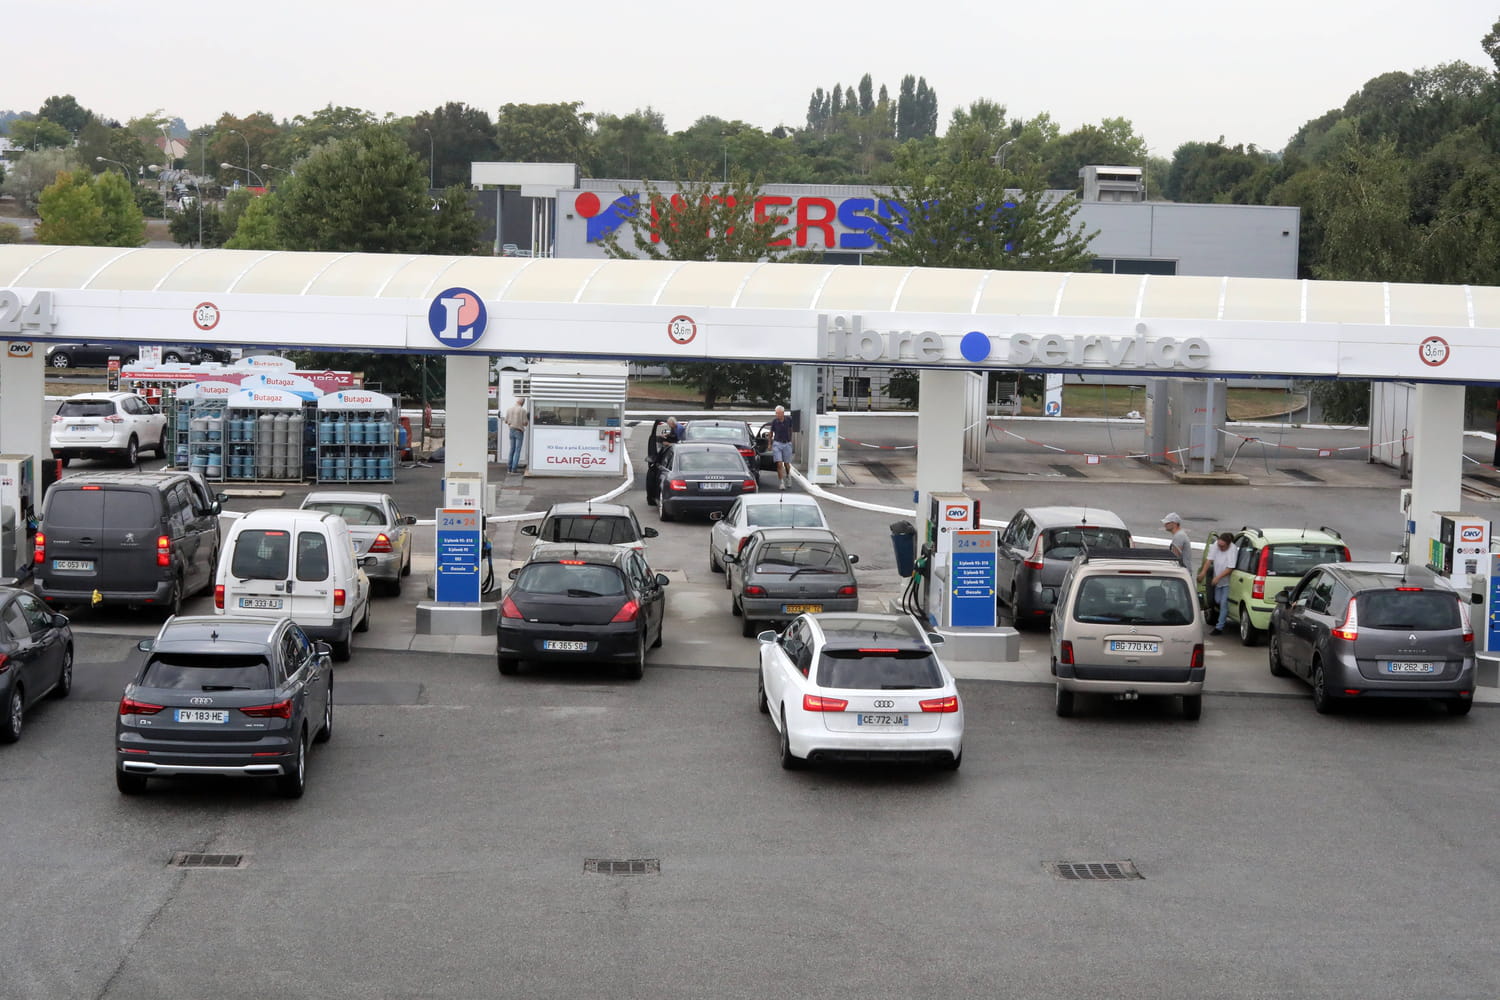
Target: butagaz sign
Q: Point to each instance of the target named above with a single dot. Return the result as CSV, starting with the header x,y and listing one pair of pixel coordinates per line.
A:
x,y
848,339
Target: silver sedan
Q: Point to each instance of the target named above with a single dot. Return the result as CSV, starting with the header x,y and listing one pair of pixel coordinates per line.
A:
x,y
379,528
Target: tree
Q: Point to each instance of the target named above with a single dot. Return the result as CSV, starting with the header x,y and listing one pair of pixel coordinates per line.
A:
x,y
455,227
71,213
454,136
544,133
39,133
1491,45
633,145
29,175
124,225
244,142
866,94
65,110
257,228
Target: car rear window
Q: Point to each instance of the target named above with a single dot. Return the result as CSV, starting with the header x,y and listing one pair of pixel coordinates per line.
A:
x,y
1417,610
789,557
570,580
605,530
123,510
698,432
261,554
75,509
86,408
784,515
1065,543
1296,558
220,672
312,556
709,461
352,513
1133,600
878,670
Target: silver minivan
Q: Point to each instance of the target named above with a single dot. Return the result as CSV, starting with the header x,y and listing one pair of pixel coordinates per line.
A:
x,y
1036,549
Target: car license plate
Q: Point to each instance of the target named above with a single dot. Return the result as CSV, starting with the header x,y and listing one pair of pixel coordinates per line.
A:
x,y
269,603
1132,646
565,645
715,486
82,564
79,427
882,721
1408,667
801,609
209,715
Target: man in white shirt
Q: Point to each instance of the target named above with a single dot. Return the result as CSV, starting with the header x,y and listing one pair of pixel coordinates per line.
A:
x,y
1215,571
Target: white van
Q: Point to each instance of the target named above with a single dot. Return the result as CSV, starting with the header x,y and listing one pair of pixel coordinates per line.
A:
x,y
297,564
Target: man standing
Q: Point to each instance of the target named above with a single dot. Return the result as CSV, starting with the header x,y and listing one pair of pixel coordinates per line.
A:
x,y
781,445
1216,570
1182,548
516,420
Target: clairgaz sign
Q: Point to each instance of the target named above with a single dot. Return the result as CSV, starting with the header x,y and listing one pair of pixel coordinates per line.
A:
x,y
848,339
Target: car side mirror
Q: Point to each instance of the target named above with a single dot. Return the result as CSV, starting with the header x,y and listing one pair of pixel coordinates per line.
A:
x,y
221,498
529,529
729,557
146,645
649,532
716,515
661,580
409,519
513,573
769,635
368,561
1284,598
938,640
853,560
59,621
322,648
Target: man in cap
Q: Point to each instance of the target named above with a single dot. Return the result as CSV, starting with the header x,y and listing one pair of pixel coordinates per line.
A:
x,y
1181,547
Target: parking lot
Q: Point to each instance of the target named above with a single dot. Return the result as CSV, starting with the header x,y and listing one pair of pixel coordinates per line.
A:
x,y
441,846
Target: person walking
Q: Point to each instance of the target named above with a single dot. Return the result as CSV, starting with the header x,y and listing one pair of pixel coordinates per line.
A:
x,y
1215,572
781,445
516,420
1181,546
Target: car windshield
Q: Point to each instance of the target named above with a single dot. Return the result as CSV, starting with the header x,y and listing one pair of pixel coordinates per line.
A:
x,y
784,515
570,579
792,557
1134,600
86,408
588,528
878,669
210,672
709,461
1065,543
699,432
1295,559
1418,610
353,513
261,555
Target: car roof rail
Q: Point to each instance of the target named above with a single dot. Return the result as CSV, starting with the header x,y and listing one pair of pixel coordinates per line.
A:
x,y
1090,554
1251,527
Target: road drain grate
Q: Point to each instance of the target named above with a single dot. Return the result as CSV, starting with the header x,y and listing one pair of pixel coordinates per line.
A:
x,y
195,859
629,866
1094,871
1306,477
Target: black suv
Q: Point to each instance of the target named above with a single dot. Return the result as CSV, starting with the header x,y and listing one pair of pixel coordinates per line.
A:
x,y
138,539
1371,630
220,695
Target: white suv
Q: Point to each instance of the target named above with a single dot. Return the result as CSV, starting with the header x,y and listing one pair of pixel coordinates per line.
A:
x,y
93,423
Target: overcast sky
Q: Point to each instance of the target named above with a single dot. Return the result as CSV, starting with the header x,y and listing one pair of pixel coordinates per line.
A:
x,y
1179,69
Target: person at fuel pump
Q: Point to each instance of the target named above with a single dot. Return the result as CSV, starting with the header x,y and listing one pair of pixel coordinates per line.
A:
x,y
1215,572
781,445
516,420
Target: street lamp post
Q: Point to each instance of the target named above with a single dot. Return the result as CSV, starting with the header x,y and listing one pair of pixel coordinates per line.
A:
x,y
252,173
235,131
267,167
431,161
999,158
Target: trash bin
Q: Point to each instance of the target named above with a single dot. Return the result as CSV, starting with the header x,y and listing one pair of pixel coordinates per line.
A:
x,y
904,542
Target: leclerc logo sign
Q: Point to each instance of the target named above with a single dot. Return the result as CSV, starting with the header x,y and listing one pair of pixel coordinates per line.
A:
x,y
457,318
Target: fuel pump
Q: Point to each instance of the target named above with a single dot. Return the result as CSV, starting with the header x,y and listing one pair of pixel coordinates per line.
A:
x,y
948,515
17,518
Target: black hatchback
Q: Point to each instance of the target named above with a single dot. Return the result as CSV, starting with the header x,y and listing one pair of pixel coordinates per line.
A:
x,y
219,695
581,602
701,479
36,658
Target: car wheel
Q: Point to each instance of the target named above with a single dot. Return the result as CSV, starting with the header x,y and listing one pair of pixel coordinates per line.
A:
x,y
393,586
343,649
130,784
507,664
662,512
760,694
171,358
1459,706
713,564
661,633
127,362
1064,703
406,566
364,621
173,605
291,786
1192,707
954,763
788,760
60,359
1249,634
636,668
132,451
65,679
734,607
1273,655
161,444
1322,700
747,627
325,731
10,724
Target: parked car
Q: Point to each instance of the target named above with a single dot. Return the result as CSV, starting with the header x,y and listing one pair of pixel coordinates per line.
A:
x,y
132,539
701,479
378,528
785,572
235,696
297,564
859,687
576,601
759,510
1036,548
97,355
1269,561
92,424
1374,630
1126,625
722,431
593,523
36,658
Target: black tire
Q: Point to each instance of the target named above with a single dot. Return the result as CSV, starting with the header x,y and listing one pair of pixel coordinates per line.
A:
x,y
171,358
734,607
393,587
130,784
161,444
1192,707
60,359
65,679
1459,706
713,564
1273,655
663,513
507,664
1323,702
760,693
789,761
1064,703
132,452
406,566
953,763
127,362
364,621
661,633
747,628
294,783
12,721
173,605
1249,634
636,668
342,650
325,731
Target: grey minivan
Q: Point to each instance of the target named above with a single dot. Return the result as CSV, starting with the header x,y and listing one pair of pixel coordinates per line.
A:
x,y
1374,630
137,539
1038,546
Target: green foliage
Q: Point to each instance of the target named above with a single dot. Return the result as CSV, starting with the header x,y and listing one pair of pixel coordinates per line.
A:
x,y
1342,402
71,213
66,112
186,224
633,145
124,225
33,172
454,135
148,200
904,384
399,374
1112,142
455,227
256,227
700,221
39,133
244,142
544,133
9,233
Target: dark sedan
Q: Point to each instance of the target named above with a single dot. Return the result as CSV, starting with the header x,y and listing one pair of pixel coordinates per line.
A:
x,y
581,602
733,432
781,573
96,355
701,479
36,657
221,695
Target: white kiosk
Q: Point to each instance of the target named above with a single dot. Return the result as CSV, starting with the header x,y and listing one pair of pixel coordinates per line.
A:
x,y
577,419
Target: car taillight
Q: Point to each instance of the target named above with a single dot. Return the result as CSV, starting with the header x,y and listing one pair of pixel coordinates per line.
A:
x,y
219,596
817,703
114,419
508,609
749,486
1065,652
747,452
948,704
1034,561
39,554
1258,585
1196,662
381,543
1350,628
627,612
280,710
677,484
754,590
163,550
849,590
1465,621
1347,556
4,663
743,542
129,706
338,598
57,419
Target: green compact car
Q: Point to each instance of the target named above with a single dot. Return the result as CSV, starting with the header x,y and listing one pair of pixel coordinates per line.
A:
x,y
1270,560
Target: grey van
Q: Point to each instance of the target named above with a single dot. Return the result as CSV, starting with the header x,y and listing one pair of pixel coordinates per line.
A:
x,y
136,539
